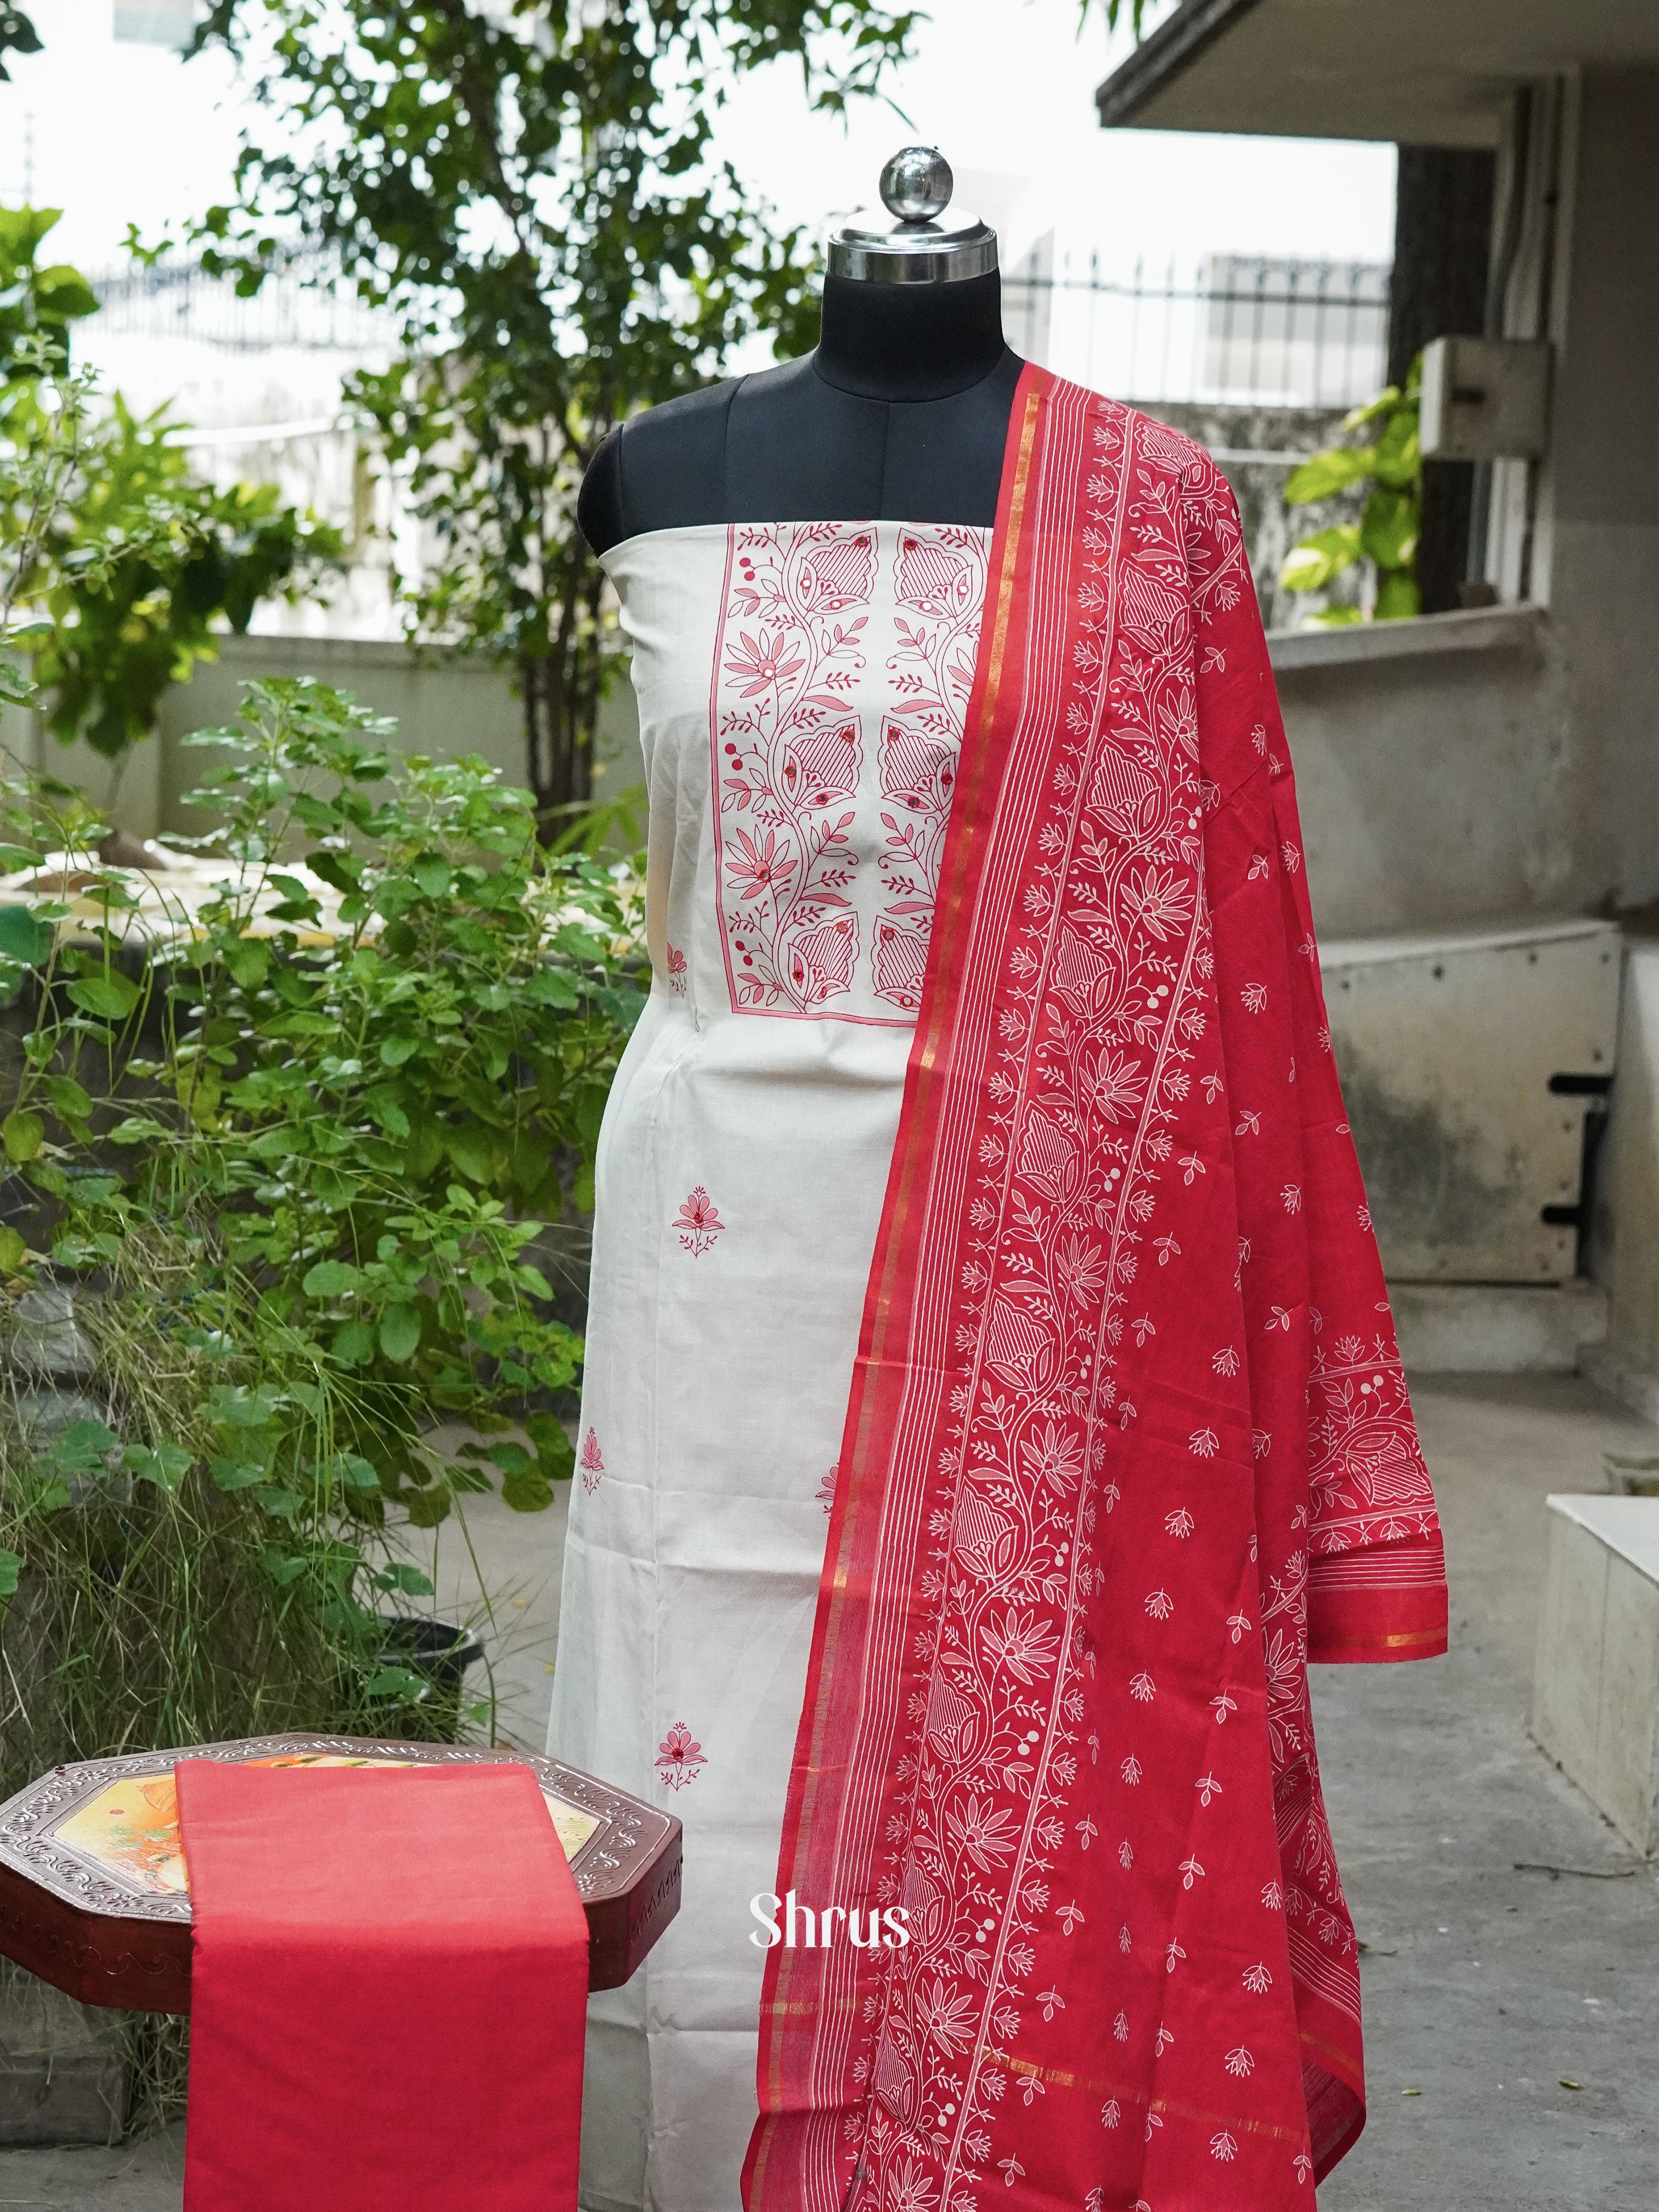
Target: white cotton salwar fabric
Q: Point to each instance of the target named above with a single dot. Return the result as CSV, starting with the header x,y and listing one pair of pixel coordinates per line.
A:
x,y
742,1164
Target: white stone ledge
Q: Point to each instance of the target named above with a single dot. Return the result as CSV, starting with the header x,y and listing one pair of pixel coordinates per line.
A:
x,y
1496,1328
1471,629
1595,1687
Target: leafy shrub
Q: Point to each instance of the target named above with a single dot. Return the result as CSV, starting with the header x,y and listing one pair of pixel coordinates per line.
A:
x,y
305,1140
132,570
35,303
116,639
1391,461
302,1136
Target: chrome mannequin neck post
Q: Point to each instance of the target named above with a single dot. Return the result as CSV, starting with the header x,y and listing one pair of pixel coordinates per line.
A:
x,y
901,414
912,300
917,242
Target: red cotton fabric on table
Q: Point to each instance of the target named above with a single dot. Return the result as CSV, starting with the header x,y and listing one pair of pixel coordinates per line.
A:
x,y
389,1990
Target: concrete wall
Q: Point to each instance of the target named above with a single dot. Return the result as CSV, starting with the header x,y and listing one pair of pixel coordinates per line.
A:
x,y
1624,1253
1603,491
442,702
1492,764
448,705
1505,762
1433,780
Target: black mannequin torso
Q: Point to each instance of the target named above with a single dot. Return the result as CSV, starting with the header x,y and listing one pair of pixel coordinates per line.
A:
x,y
900,415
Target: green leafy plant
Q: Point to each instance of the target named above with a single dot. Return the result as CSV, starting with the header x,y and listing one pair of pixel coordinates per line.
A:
x,y
34,302
133,569
300,1125
1131,12
278,1137
46,429
1391,461
380,1075
122,632
289,1128
533,192
273,1122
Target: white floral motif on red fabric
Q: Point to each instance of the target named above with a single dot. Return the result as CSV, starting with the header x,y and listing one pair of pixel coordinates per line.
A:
x,y
1098,1024
1129,986
698,1222
591,1459
1366,1461
678,1758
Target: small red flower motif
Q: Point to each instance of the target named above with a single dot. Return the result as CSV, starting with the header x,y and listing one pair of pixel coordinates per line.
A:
x,y
699,1223
756,867
592,1463
758,660
677,971
678,1758
827,1490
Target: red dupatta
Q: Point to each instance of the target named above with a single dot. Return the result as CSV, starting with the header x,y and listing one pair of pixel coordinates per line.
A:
x,y
1128,1439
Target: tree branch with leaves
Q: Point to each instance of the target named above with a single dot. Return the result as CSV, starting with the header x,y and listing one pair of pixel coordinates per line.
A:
x,y
126,566
535,194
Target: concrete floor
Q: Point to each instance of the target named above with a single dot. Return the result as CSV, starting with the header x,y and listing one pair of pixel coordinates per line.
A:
x,y
517,1557
141,2177
1485,1984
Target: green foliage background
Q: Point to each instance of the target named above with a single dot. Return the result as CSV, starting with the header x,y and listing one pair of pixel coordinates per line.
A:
x,y
533,192
1390,460
36,302
132,568
285,1159
304,1158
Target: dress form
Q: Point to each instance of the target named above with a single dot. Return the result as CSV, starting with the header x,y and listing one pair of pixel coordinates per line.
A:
x,y
749,1135
901,413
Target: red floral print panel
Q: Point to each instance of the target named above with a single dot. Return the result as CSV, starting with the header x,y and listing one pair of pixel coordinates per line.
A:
x,y
843,658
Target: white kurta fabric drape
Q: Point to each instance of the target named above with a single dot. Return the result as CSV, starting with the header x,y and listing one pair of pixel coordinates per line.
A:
x,y
801,690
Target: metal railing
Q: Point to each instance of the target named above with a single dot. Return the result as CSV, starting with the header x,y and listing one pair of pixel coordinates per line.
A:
x,y
297,307
1235,329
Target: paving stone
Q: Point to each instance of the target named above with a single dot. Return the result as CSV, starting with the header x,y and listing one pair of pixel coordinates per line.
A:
x,y
1489,1978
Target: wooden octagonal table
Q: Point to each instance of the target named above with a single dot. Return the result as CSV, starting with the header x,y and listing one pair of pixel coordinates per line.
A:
x,y
94,1897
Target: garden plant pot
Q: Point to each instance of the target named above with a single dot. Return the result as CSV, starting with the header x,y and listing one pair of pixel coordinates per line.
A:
x,y
440,1652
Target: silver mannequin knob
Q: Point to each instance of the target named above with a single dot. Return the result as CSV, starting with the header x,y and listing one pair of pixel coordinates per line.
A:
x,y
910,244
916,184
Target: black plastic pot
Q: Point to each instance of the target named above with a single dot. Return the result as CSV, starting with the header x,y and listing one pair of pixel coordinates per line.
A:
x,y
437,1649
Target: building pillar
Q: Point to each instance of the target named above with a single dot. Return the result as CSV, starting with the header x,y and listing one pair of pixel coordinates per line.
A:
x,y
1443,244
